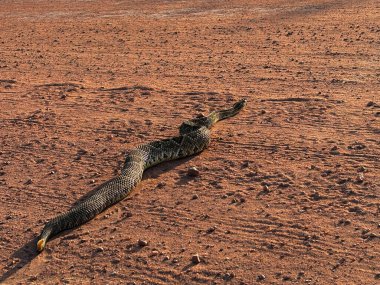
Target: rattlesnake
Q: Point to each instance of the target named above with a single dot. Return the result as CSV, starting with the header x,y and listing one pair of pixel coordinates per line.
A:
x,y
194,137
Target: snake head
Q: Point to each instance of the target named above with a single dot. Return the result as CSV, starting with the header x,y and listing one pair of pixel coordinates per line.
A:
x,y
41,245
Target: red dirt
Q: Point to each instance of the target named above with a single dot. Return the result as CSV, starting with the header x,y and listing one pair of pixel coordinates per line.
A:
x,y
310,133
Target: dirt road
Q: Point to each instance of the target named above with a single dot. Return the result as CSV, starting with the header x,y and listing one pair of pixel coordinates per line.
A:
x,y
288,191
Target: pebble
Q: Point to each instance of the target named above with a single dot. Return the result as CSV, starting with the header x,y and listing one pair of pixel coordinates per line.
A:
x,y
344,222
316,196
82,151
300,274
161,185
356,209
334,150
234,200
193,172
362,169
260,277
195,259
377,276
29,181
195,196
166,258
211,230
245,164
370,104
32,278
142,242
360,178
229,276
99,249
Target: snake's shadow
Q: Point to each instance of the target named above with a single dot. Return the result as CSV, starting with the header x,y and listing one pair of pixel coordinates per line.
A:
x,y
26,253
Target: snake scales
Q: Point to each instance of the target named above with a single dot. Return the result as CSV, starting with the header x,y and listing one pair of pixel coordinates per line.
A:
x,y
194,137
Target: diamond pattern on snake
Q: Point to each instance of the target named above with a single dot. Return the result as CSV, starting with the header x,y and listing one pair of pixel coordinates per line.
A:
x,y
194,137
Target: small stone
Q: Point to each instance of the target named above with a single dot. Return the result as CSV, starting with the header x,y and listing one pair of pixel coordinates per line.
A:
x,y
316,196
195,196
155,253
245,164
228,276
360,178
334,150
362,169
166,258
195,259
142,242
211,230
286,278
29,181
32,278
99,249
370,104
161,185
242,200
300,274
260,277
356,209
343,222
357,146
377,276
234,200
193,172
82,151
175,260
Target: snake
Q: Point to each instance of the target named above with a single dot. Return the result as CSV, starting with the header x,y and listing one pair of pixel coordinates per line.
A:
x,y
194,137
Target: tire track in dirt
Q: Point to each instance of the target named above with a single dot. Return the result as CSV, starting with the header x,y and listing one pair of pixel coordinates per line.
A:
x,y
289,185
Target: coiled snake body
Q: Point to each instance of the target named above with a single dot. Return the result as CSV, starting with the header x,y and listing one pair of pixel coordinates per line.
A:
x,y
194,138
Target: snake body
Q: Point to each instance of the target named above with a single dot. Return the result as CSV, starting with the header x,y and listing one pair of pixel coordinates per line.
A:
x,y
194,137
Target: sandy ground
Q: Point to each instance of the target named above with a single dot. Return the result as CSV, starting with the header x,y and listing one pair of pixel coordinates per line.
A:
x,y
288,191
